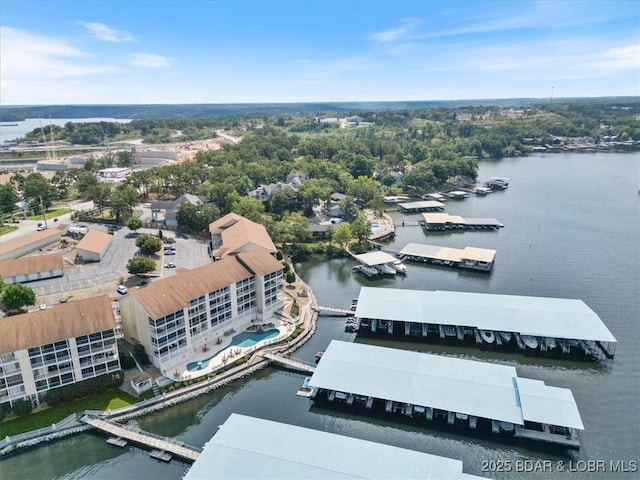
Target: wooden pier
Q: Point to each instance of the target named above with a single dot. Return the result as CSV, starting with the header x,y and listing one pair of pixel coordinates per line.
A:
x,y
140,437
288,362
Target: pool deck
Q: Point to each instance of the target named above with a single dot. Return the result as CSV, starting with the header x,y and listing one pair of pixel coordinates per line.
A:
x,y
386,227
224,353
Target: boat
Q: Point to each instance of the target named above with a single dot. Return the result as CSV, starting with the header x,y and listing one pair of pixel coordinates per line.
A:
x,y
398,266
306,385
505,336
458,194
350,327
160,455
482,191
368,271
386,269
462,416
506,426
530,342
498,183
319,356
488,336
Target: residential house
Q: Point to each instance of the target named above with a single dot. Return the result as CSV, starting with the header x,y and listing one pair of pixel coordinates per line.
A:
x,y
170,208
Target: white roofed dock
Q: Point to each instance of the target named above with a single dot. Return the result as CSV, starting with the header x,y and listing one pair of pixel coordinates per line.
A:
x,y
449,390
556,325
469,257
246,447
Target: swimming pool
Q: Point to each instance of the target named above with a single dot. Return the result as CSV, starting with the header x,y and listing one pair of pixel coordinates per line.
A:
x,y
375,227
243,339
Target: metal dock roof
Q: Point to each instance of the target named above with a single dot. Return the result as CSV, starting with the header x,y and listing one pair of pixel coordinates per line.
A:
x,y
375,258
443,218
447,253
428,204
247,447
536,316
482,389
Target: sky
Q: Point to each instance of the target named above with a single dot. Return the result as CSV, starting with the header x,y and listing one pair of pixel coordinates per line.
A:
x,y
169,52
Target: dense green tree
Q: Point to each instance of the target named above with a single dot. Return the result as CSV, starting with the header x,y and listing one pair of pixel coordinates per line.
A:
x,y
134,224
292,228
85,182
100,193
196,218
249,208
39,192
16,295
366,189
8,199
290,277
360,227
140,265
123,199
342,235
348,208
148,244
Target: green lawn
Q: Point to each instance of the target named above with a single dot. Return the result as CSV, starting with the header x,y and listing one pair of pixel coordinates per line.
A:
x,y
7,228
50,214
100,401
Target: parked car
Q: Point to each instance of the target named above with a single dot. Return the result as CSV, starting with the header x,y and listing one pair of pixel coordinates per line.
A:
x,y
121,289
143,283
169,252
63,299
40,227
170,265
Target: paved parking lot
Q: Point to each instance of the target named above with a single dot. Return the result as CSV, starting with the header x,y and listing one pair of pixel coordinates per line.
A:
x,y
190,253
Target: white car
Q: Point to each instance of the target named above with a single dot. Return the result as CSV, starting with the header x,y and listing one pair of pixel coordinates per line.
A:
x,y
41,228
170,265
121,289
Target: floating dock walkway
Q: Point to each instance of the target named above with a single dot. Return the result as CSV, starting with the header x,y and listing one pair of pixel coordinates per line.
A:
x,y
140,437
534,325
433,389
329,311
288,362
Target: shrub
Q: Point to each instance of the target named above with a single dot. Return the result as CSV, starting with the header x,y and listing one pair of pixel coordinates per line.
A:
x,y
169,240
22,407
141,355
240,361
279,255
126,362
84,388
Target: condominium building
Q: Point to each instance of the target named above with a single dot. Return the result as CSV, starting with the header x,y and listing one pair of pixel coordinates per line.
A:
x,y
234,234
57,346
176,317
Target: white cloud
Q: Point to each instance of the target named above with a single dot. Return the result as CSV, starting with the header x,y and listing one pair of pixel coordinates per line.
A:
x,y
627,57
149,60
27,57
396,33
105,33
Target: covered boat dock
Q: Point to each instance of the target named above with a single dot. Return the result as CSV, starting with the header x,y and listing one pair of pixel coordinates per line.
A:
x,y
247,447
447,391
444,221
424,206
534,325
473,258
